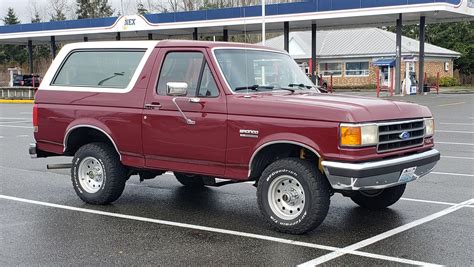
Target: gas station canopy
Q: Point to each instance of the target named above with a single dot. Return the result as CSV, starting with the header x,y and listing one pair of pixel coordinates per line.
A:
x,y
327,14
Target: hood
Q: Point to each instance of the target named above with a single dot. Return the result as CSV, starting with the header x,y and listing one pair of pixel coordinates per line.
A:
x,y
323,107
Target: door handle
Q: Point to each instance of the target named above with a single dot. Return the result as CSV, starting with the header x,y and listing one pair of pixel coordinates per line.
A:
x,y
153,105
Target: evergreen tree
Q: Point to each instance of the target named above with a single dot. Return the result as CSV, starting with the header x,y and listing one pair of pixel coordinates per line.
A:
x,y
39,51
58,16
141,10
11,17
457,36
93,9
36,17
12,54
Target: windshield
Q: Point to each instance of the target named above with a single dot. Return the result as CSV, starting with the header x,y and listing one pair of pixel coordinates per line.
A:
x,y
259,70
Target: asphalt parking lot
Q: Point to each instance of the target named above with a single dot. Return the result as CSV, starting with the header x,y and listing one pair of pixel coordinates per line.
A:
x,y
159,222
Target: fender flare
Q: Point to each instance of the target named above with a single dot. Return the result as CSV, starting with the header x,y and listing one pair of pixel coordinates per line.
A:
x,y
72,128
281,141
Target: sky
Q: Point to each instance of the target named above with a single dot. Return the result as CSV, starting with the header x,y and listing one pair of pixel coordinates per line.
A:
x,y
24,8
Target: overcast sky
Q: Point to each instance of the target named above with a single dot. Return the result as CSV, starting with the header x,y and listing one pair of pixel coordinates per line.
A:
x,y
24,8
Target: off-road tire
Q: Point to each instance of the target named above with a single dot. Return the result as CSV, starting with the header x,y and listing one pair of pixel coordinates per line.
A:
x,y
114,173
383,199
316,195
189,180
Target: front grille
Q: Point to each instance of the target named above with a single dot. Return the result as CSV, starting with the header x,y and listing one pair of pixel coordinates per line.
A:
x,y
400,135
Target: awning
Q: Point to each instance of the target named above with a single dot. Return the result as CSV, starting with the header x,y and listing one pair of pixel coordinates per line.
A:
x,y
384,62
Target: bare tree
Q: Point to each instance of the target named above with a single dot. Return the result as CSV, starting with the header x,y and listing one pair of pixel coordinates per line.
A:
x,y
59,9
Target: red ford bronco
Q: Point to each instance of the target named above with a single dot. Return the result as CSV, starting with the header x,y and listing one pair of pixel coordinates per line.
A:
x,y
207,110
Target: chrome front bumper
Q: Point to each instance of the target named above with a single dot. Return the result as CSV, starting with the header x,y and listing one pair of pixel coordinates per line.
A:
x,y
379,174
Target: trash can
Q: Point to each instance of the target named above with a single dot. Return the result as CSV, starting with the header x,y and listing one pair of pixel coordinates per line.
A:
x,y
426,88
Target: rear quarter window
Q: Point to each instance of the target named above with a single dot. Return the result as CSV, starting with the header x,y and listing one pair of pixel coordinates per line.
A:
x,y
98,69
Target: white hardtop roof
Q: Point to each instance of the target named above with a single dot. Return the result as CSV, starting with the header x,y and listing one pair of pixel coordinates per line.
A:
x,y
111,44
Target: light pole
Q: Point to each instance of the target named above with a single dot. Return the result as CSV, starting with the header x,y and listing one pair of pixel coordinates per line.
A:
x,y
263,22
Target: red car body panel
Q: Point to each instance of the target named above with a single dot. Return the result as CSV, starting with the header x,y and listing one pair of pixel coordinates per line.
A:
x,y
160,138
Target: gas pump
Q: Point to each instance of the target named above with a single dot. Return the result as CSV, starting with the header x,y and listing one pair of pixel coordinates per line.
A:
x,y
411,83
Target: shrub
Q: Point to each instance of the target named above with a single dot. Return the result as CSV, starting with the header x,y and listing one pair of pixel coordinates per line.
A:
x,y
448,81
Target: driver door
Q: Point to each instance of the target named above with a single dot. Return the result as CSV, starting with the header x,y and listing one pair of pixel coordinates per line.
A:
x,y
187,132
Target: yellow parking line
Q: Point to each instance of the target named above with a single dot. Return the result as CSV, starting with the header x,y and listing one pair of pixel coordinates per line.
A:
x,y
16,101
452,104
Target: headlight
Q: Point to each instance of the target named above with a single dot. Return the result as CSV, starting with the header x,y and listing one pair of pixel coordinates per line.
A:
x,y
355,135
429,125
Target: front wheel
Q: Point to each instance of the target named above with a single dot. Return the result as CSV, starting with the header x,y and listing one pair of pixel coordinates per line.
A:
x,y
97,175
293,196
379,199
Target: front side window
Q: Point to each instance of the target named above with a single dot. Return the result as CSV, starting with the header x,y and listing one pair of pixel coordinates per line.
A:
x,y
99,69
328,69
260,70
357,68
181,67
208,86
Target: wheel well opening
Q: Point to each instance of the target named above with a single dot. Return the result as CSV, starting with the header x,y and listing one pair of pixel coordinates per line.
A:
x,y
84,135
274,152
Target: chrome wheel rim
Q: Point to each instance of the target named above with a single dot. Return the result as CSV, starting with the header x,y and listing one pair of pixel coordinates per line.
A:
x,y
286,197
91,175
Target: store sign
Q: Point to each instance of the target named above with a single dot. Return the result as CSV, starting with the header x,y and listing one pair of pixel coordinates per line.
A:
x,y
132,23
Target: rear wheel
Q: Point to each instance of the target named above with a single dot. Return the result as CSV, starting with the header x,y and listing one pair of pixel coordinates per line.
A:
x,y
97,175
293,196
378,199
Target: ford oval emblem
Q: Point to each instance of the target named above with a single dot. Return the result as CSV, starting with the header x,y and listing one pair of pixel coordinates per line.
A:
x,y
404,135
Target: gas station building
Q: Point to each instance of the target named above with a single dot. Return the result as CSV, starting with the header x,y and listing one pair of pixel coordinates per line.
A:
x,y
307,15
353,56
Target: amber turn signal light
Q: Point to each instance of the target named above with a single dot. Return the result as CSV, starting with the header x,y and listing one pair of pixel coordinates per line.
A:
x,y
350,136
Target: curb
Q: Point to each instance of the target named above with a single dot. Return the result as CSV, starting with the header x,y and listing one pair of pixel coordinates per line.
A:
x,y
16,101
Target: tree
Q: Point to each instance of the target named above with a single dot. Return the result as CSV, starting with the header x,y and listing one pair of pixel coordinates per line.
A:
x,y
93,9
11,17
39,51
141,10
36,18
11,54
457,36
57,9
58,16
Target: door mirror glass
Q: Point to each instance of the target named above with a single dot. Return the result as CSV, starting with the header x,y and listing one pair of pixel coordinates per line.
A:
x,y
176,88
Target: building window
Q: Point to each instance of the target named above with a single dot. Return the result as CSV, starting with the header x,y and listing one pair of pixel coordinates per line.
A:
x,y
326,69
357,68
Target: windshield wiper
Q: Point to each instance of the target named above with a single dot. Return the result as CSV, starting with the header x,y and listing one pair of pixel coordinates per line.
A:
x,y
111,77
288,89
300,85
253,87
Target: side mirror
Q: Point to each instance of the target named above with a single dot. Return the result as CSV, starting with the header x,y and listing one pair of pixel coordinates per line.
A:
x,y
177,88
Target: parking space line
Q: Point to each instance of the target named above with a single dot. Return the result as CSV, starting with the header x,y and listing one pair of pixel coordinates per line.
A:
x,y
217,230
428,201
455,157
451,143
16,126
384,235
462,132
453,174
14,118
451,104
13,122
455,123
